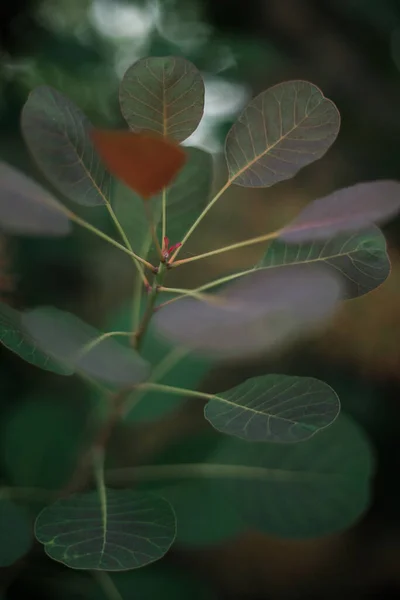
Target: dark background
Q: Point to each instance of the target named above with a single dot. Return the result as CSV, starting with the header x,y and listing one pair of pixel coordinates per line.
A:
x,y
351,50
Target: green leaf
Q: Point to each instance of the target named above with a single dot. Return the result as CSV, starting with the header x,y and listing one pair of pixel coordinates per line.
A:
x,y
124,530
185,200
15,532
315,488
319,487
56,133
41,441
164,95
261,312
279,132
360,257
28,209
64,337
274,408
349,209
15,337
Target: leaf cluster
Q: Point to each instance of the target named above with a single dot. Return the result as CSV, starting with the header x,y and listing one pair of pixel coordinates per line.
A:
x,y
286,462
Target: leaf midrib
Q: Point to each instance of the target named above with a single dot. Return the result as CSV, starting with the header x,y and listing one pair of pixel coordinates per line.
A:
x,y
260,413
257,158
304,262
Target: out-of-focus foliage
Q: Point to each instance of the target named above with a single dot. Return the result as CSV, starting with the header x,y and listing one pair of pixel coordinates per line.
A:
x,y
82,47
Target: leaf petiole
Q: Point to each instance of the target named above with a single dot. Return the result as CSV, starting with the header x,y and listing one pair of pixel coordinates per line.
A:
x,y
93,343
199,470
199,219
170,360
195,293
207,286
76,219
107,584
170,389
126,242
256,240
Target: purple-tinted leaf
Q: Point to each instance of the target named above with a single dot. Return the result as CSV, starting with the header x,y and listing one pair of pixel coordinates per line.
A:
x,y
262,311
56,133
28,209
360,257
279,132
274,408
64,337
349,209
164,95
16,338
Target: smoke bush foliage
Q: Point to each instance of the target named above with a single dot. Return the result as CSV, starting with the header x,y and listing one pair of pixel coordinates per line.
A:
x,y
278,457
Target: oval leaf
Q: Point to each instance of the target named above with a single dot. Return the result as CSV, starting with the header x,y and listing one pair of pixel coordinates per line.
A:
x,y
164,95
306,490
262,311
361,258
15,533
64,337
349,209
16,338
56,133
274,408
124,530
279,132
145,162
27,208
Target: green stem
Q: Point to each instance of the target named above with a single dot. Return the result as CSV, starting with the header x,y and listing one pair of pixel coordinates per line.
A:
x,y
151,300
98,469
108,586
163,367
170,389
256,240
200,218
201,470
138,290
164,214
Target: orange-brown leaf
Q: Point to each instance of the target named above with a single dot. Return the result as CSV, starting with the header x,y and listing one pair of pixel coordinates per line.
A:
x,y
145,162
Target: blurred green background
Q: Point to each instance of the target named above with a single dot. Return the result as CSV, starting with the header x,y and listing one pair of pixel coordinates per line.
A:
x,y
351,50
